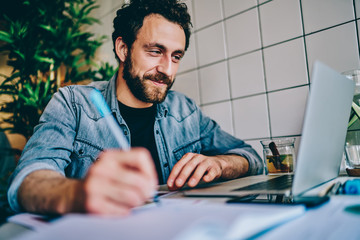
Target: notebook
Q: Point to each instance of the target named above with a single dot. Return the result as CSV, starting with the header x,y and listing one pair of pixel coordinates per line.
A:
x,y
321,146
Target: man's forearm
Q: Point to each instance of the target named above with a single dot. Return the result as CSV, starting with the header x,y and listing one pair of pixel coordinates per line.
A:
x,y
233,166
46,191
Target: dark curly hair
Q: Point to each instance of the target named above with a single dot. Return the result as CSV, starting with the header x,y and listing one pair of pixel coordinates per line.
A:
x,y
129,19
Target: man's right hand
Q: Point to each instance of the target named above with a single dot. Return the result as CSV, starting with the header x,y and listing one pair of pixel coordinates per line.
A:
x,y
115,183
119,181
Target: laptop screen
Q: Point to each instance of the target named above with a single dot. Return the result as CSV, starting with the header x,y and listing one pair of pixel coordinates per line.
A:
x,y
324,130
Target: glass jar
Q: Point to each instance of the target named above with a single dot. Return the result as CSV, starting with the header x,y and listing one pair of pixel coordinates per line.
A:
x,y
351,162
279,156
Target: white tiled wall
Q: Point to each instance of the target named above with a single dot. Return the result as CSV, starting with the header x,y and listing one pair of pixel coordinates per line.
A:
x,y
254,60
249,62
106,13
214,83
246,75
242,33
211,44
280,20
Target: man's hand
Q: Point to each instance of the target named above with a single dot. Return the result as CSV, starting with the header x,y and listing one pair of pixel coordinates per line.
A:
x,y
115,183
193,167
119,181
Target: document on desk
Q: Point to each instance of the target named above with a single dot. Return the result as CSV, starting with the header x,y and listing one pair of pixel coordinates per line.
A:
x,y
174,219
337,219
32,221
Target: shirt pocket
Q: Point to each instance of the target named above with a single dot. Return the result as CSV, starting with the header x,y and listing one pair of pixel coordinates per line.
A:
x,y
193,147
84,149
83,156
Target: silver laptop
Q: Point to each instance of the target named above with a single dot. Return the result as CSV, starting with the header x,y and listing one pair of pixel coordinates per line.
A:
x,y
321,147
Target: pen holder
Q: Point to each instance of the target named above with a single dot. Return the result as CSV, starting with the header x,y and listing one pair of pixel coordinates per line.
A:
x,y
279,156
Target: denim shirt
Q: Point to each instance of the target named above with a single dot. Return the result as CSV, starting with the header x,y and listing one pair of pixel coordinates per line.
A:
x,y
71,134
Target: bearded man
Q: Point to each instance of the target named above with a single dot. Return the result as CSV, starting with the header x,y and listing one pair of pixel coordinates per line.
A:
x,y
73,163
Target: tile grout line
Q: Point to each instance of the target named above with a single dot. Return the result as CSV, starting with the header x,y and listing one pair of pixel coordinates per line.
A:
x,y
196,55
305,45
356,27
232,111
264,71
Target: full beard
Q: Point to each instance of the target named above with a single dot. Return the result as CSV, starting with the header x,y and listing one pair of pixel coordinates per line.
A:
x,y
144,90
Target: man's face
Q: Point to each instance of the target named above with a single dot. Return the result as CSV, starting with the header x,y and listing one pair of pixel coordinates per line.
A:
x,y
151,64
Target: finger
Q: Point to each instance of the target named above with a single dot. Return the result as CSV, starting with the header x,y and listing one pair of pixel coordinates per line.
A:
x,y
123,168
100,206
188,170
120,194
138,159
177,169
135,181
131,195
198,174
212,174
104,176
208,170
125,196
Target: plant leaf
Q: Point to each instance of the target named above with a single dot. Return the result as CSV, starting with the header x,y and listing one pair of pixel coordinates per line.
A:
x,y
356,109
4,36
356,116
48,28
44,59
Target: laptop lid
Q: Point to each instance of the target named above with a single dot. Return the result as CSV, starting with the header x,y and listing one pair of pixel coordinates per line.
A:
x,y
322,142
324,130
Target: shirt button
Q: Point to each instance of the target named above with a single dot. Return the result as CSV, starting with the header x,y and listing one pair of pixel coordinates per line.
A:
x,y
166,165
126,133
81,151
157,131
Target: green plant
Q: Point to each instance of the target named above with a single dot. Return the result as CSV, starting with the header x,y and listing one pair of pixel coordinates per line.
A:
x,y
355,114
104,72
47,46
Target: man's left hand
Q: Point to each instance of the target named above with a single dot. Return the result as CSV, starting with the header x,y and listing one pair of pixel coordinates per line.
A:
x,y
193,167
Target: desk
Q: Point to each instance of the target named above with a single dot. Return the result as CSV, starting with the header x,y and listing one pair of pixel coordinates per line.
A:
x,y
330,221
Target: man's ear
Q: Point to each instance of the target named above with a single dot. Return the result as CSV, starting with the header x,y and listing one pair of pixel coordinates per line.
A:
x,y
121,49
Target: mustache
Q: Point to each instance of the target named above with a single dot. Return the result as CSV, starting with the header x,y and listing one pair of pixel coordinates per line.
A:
x,y
158,77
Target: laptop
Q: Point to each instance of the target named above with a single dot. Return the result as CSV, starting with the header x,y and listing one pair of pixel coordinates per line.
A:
x,y
321,146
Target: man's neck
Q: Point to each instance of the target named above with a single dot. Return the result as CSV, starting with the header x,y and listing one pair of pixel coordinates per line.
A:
x,y
125,96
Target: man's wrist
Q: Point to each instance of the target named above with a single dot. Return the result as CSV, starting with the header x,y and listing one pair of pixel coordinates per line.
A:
x,y
233,166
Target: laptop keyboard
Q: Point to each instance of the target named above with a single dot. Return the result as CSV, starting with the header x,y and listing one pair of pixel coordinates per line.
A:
x,y
278,183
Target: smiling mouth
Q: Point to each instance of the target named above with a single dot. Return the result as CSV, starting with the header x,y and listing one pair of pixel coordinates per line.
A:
x,y
158,83
158,79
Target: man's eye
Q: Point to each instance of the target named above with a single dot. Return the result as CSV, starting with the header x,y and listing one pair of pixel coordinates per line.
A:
x,y
177,58
154,52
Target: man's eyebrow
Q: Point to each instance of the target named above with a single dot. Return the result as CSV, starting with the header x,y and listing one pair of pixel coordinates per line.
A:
x,y
161,46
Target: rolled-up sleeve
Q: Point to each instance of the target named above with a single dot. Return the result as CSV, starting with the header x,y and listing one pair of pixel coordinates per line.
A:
x,y
50,146
215,141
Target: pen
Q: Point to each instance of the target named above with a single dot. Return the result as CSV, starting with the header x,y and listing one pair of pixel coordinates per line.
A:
x,y
335,189
104,110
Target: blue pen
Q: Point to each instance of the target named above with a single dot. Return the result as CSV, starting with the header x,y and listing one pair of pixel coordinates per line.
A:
x,y
105,112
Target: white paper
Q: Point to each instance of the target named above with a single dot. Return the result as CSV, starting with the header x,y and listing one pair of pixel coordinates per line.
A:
x,y
332,220
32,221
177,220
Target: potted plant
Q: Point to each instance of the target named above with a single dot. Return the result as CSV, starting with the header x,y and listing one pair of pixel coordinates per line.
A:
x,y
47,47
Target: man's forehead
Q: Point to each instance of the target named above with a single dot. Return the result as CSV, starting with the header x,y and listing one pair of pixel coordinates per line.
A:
x,y
157,29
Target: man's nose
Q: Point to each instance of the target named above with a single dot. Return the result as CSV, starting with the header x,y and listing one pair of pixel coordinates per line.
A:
x,y
165,66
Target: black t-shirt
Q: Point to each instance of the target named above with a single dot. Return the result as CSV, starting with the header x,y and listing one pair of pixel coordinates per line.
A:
x,y
141,126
